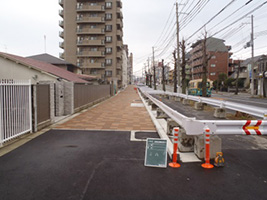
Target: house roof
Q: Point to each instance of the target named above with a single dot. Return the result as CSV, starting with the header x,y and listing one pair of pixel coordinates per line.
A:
x,y
45,67
248,61
51,59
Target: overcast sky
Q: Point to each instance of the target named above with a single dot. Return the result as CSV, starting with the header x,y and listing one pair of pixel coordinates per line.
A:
x,y
147,23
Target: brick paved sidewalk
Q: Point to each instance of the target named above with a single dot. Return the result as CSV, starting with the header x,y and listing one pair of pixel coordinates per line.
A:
x,y
114,114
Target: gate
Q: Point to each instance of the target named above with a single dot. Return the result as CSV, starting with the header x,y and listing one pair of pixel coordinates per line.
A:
x,y
15,109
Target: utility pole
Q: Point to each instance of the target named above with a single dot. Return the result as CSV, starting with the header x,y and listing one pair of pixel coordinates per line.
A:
x,y
178,48
154,70
174,73
163,76
252,56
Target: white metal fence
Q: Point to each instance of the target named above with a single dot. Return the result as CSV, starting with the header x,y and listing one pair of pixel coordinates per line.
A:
x,y
15,109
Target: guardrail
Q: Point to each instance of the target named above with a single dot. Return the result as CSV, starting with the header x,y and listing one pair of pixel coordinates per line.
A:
x,y
193,126
252,110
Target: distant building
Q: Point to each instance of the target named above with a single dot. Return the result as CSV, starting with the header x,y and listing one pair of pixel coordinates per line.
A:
x,y
260,68
219,56
92,37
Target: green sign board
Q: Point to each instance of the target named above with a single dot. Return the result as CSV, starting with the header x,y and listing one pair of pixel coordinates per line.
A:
x,y
156,153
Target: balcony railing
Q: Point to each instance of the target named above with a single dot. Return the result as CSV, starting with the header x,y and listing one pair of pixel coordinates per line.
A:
x,y
91,20
91,54
91,31
98,65
61,13
61,45
61,23
62,55
60,2
91,42
61,34
86,7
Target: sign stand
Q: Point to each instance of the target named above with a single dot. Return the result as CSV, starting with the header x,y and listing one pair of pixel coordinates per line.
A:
x,y
156,153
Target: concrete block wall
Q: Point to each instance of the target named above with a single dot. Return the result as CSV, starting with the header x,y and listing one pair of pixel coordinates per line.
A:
x,y
59,98
68,98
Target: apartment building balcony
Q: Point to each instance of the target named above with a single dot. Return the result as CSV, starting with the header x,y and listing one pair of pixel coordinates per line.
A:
x,y
119,43
119,55
119,22
61,13
91,31
119,67
61,34
89,8
61,45
196,63
91,43
119,32
91,54
91,20
62,55
98,65
119,3
61,23
61,3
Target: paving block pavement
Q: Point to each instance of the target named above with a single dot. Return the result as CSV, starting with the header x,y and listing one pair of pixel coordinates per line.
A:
x,y
121,112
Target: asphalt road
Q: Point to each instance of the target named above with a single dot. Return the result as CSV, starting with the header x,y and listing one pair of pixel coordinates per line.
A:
x,y
98,165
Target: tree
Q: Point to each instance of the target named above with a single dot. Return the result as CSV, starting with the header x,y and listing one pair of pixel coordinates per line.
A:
x,y
163,76
205,60
183,67
237,78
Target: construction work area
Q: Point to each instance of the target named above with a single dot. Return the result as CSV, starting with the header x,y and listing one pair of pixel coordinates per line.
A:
x,y
73,161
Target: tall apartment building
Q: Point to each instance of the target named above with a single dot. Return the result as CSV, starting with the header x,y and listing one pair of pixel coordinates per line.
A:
x,y
218,63
92,34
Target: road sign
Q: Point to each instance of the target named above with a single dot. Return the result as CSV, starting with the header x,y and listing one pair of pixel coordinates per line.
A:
x,y
156,153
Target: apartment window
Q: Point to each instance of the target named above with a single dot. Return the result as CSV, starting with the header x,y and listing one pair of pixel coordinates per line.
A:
x,y
93,71
108,38
108,16
108,27
92,60
93,49
93,38
108,61
93,26
108,73
93,4
213,65
213,57
108,4
108,50
93,15
213,73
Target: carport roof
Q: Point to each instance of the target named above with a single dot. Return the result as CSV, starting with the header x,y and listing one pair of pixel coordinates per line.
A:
x,y
44,67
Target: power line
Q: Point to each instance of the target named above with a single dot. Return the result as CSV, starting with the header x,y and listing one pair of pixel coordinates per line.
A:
x,y
258,7
211,19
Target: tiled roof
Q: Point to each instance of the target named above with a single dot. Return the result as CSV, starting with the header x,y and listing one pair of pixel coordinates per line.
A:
x,y
45,67
49,59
